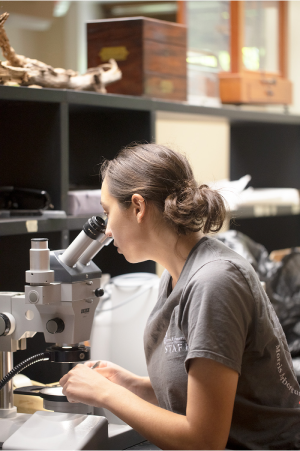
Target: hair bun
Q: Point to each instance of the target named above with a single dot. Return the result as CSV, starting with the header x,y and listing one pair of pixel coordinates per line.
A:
x,y
204,187
192,208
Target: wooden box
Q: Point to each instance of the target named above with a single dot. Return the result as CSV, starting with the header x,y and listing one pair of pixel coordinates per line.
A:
x,y
150,53
254,88
242,85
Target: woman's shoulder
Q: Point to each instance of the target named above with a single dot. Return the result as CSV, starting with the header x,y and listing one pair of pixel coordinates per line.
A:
x,y
219,284
217,272
213,260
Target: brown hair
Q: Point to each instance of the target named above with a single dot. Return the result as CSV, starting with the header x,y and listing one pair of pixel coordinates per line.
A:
x,y
165,178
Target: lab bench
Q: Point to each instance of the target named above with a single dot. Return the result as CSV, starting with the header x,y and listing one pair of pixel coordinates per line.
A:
x,y
144,446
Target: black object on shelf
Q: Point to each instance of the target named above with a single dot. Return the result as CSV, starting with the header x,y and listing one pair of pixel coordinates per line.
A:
x,y
24,199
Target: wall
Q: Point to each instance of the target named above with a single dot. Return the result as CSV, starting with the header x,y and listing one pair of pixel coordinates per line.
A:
x,y
294,60
203,140
75,39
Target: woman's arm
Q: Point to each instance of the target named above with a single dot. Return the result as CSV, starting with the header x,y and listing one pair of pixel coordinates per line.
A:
x,y
140,386
143,389
211,394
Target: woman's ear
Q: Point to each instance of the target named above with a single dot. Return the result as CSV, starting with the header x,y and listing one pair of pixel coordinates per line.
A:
x,y
139,206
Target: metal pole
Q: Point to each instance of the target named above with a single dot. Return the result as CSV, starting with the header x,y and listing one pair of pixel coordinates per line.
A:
x,y
6,394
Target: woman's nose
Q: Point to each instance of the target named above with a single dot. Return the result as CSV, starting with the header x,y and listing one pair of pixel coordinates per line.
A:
x,y
108,231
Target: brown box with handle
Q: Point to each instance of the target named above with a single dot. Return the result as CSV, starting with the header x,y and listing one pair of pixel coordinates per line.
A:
x,y
150,53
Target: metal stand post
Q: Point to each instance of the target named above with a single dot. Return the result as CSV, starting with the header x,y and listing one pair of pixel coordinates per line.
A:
x,y
6,394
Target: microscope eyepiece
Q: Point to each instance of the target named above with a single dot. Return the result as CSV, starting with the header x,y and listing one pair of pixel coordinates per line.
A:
x,y
93,229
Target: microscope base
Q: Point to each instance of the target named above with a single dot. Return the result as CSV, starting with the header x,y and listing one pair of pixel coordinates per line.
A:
x,y
62,431
8,426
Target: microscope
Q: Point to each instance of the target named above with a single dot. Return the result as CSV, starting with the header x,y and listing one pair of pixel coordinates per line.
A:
x,y
60,300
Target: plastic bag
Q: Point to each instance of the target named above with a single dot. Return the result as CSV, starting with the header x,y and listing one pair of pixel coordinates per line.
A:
x,y
282,282
254,252
284,293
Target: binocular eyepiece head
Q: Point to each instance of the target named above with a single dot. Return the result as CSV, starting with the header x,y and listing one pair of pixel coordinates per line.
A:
x,y
88,243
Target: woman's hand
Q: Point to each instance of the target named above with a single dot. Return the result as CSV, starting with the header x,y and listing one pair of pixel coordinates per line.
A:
x,y
99,380
82,384
140,386
115,374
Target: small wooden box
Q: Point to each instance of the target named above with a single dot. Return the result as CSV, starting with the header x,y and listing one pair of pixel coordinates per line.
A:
x,y
150,53
254,88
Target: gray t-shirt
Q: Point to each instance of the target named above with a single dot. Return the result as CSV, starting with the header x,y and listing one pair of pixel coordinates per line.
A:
x,y
219,310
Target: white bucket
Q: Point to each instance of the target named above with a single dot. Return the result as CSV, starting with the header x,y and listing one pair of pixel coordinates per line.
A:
x,y
118,328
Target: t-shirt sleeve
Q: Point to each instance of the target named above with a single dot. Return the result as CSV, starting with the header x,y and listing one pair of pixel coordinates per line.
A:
x,y
216,314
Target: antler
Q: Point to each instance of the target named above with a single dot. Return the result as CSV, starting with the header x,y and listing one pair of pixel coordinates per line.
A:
x,y
28,72
7,51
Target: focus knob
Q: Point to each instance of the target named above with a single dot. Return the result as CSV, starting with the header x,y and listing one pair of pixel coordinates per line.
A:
x,y
7,324
99,292
55,326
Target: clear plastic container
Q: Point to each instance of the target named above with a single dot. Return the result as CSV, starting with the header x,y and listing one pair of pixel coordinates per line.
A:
x,y
208,49
261,36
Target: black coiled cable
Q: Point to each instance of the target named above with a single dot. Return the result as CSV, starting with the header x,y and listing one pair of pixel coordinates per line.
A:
x,y
21,366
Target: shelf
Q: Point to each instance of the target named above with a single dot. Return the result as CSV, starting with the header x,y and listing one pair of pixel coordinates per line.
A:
x,y
122,102
33,224
258,211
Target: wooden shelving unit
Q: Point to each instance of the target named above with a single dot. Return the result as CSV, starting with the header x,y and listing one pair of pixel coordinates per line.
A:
x,y
54,139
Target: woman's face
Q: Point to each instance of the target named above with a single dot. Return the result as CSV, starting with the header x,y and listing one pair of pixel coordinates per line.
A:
x,y
125,226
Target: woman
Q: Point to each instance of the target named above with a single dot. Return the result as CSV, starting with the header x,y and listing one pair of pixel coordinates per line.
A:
x,y
220,370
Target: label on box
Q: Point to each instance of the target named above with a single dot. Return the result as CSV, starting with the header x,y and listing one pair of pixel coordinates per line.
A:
x,y
32,226
153,87
116,53
166,86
